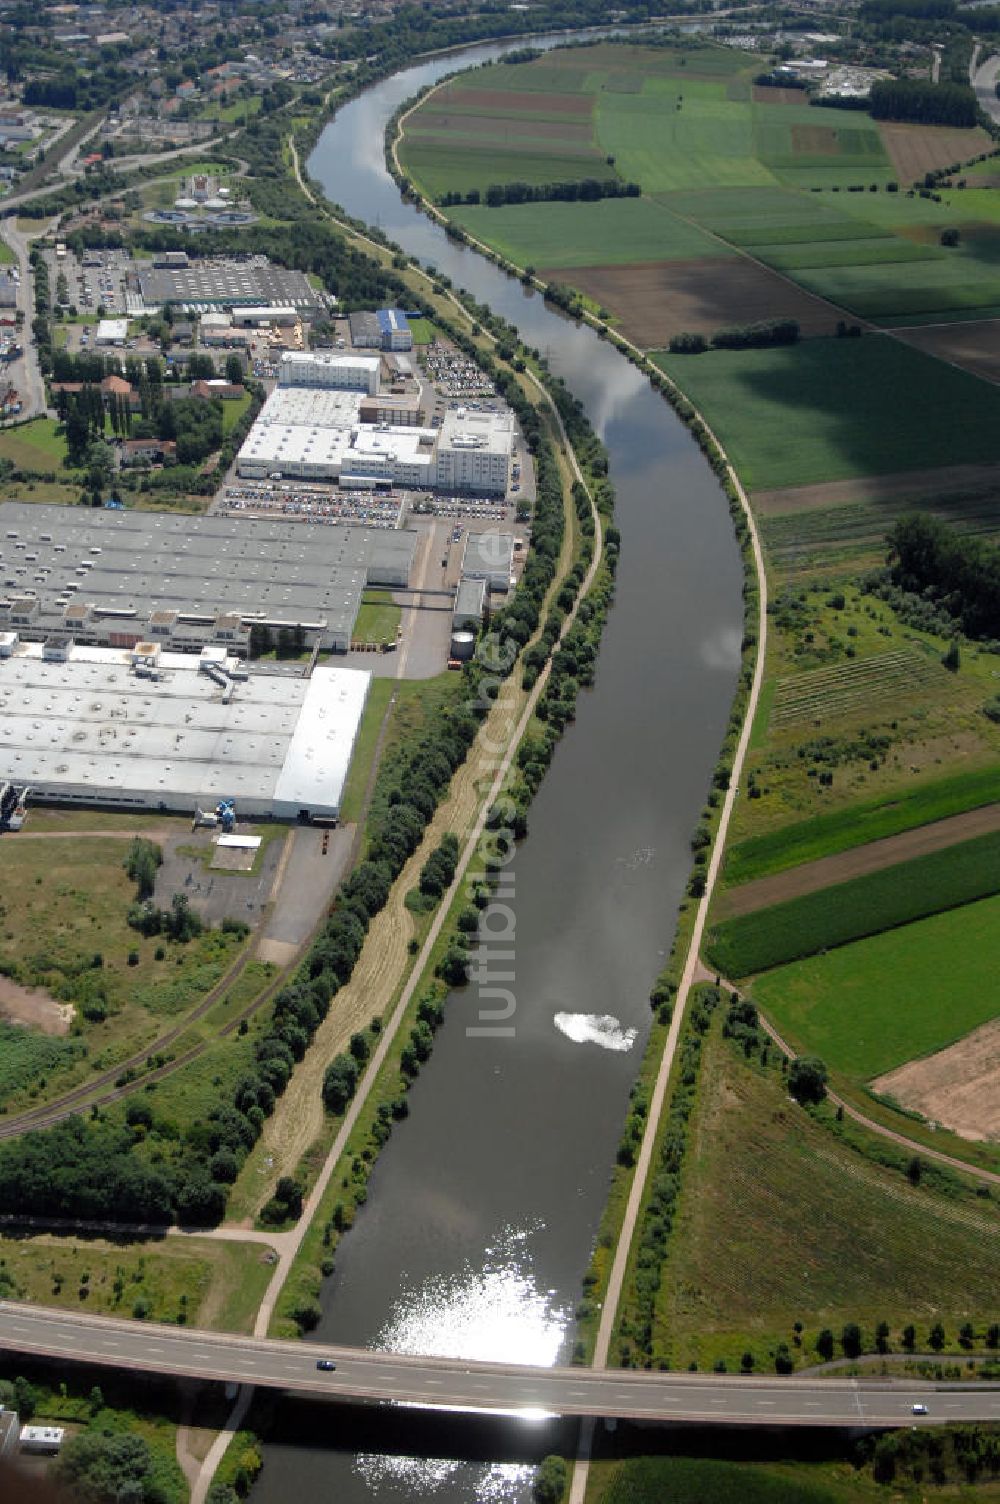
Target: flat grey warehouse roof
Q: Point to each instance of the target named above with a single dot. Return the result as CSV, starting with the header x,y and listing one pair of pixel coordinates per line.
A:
x,y
230,284
135,563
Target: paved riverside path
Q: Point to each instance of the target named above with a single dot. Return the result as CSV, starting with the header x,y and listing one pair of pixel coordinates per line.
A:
x,y
723,1399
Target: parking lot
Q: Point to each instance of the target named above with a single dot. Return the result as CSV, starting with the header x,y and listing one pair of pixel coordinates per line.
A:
x,y
98,281
318,504
454,375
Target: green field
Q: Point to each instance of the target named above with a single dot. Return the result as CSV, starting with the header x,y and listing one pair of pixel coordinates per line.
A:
x,y
211,1284
849,911
378,618
34,446
702,1480
422,331
233,411
869,1007
832,409
872,820
664,147
439,169
604,233
782,1219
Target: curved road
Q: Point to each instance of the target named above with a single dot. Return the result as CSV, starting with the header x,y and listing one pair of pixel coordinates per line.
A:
x,y
461,1384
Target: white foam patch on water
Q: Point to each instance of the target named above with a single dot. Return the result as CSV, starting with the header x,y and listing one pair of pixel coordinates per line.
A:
x,y
602,1029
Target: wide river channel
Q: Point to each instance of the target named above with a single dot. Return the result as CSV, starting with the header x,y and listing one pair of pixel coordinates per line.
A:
x,y
484,1205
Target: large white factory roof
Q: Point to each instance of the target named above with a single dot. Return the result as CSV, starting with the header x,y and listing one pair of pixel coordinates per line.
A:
x,y
92,729
278,445
463,428
319,406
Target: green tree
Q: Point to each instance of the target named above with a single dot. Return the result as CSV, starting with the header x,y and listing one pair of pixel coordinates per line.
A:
x,y
882,1337
850,1340
550,1481
936,1336
807,1076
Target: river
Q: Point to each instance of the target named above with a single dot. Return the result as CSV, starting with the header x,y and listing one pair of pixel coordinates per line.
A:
x,y
484,1205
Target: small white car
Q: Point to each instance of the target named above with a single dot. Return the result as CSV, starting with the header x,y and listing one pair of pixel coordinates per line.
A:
x,y
919,1409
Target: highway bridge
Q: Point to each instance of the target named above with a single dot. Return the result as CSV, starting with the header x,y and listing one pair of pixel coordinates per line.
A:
x,y
459,1384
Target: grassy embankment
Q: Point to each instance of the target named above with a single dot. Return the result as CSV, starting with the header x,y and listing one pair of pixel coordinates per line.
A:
x,y
787,1216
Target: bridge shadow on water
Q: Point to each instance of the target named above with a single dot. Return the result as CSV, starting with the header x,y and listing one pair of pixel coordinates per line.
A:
x,y
398,1430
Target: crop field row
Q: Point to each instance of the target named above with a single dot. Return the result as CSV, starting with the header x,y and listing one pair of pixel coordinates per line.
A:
x,y
871,820
850,911
865,524
612,231
878,251
846,688
872,1006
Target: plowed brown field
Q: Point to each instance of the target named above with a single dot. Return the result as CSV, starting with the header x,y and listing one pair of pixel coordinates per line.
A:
x,y
973,345
916,149
654,300
947,480
502,128
958,1087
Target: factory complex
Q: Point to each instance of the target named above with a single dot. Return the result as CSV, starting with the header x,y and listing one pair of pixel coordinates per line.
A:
x,y
116,578
148,729
313,427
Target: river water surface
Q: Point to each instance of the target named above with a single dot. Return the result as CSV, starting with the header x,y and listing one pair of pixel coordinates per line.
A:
x,y
484,1205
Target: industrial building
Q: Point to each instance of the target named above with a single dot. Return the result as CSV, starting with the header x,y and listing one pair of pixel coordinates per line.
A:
x,y
113,579
474,451
315,433
366,332
111,332
282,316
470,604
489,557
355,373
203,285
395,332
398,409
148,729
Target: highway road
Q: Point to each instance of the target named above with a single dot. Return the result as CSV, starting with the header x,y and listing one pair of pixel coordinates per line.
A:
x,y
983,78
493,1387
